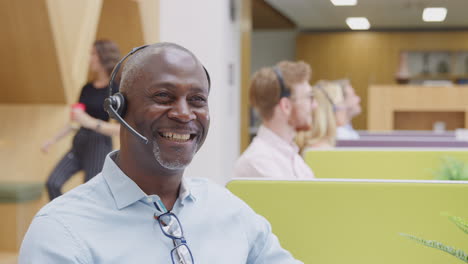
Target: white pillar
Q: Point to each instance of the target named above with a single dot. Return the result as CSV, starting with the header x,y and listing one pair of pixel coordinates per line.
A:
x,y
206,28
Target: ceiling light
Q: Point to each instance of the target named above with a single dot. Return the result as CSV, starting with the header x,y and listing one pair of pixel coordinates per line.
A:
x,y
344,2
358,23
434,14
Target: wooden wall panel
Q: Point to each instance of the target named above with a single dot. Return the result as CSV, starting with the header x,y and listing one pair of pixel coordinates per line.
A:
x,y
368,58
24,129
45,52
74,26
29,67
149,16
422,120
26,126
121,22
386,100
8,258
15,222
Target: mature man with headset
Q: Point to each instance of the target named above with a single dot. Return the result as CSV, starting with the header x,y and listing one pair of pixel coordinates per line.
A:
x,y
140,208
283,97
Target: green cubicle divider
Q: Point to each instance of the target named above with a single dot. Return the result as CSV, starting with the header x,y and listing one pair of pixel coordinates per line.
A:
x,y
413,164
359,222
20,192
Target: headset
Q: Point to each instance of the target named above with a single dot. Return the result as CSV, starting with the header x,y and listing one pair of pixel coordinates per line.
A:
x,y
283,91
115,105
319,86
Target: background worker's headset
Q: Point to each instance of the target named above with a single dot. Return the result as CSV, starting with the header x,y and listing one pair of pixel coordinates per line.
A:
x,y
283,91
115,105
320,87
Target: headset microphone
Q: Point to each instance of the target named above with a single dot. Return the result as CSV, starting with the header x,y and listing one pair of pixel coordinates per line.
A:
x,y
115,104
108,106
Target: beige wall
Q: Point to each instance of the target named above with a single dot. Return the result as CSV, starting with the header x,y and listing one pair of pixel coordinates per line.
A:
x,y
45,52
368,57
29,68
120,22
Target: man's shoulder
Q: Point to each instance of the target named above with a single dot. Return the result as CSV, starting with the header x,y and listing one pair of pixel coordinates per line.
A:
x,y
257,151
203,185
258,160
80,199
212,193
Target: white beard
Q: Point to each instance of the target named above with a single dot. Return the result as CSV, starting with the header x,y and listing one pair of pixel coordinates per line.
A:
x,y
171,165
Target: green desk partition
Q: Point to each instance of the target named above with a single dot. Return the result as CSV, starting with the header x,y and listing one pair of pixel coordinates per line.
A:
x,y
410,164
20,192
359,222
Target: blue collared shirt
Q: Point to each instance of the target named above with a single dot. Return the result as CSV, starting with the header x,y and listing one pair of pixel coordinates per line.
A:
x,y
111,220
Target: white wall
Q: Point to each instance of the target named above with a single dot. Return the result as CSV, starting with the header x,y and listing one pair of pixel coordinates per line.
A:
x,y
272,46
205,28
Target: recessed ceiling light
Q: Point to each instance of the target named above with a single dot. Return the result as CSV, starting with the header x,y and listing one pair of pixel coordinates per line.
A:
x,y
434,14
344,2
358,23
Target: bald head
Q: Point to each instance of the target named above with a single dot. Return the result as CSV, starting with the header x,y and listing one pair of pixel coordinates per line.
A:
x,y
168,53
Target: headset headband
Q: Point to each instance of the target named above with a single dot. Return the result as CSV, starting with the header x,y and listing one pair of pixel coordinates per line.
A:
x,y
117,68
283,91
319,86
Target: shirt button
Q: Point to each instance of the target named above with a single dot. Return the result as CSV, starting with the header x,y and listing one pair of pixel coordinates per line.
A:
x,y
148,199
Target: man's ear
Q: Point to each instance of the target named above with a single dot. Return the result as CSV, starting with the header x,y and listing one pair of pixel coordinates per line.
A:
x,y
285,105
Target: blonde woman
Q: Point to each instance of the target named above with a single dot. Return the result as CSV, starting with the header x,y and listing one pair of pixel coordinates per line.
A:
x,y
329,114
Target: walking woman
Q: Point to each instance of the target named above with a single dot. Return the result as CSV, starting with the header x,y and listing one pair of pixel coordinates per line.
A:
x,y
92,142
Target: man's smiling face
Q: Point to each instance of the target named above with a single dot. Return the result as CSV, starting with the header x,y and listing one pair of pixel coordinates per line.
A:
x,y
173,111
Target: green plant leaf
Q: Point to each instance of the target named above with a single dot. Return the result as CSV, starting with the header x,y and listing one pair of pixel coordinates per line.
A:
x,y
460,223
452,169
437,245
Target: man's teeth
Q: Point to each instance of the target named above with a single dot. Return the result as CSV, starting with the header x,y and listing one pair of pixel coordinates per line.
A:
x,y
177,137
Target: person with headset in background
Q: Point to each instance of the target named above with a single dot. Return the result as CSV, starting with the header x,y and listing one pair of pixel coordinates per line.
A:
x,y
284,99
140,208
330,113
353,108
92,141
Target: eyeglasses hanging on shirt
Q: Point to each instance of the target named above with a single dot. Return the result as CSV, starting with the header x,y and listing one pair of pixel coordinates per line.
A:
x,y
171,227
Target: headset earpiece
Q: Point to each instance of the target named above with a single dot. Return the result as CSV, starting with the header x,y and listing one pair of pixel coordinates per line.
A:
x,y
118,103
121,103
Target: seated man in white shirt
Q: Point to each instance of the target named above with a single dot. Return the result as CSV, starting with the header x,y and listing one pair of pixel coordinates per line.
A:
x,y
140,208
353,108
283,97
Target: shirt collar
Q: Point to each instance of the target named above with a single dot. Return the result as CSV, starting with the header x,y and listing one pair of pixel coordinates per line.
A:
x,y
186,192
276,141
125,191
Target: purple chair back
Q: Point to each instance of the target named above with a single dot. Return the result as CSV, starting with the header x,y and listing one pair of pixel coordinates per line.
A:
x,y
407,133
403,143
